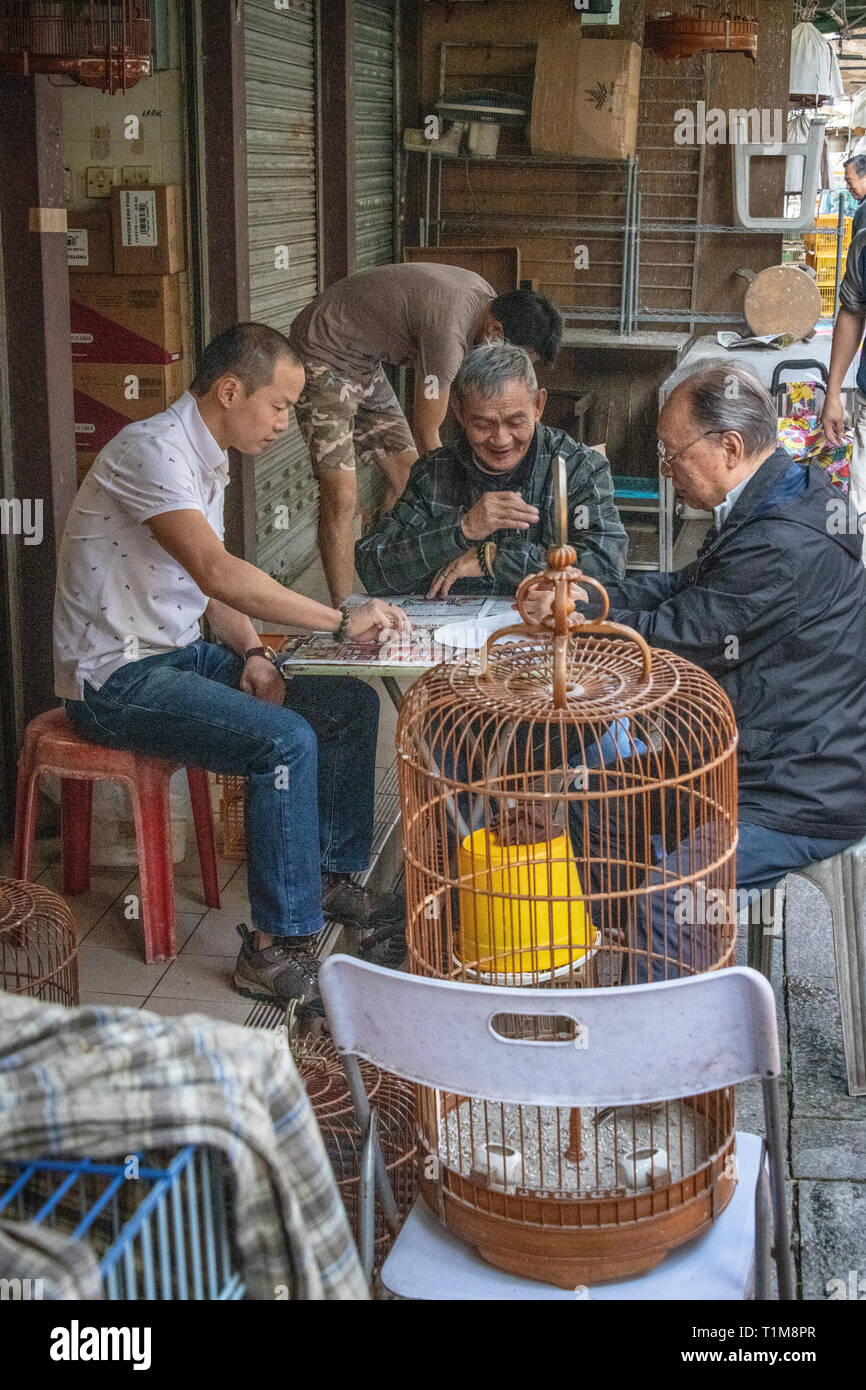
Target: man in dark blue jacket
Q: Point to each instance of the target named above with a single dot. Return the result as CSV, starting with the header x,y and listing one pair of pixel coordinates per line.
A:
x,y
773,607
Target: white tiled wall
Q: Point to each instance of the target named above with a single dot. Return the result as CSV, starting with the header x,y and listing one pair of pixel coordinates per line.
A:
x,y
93,134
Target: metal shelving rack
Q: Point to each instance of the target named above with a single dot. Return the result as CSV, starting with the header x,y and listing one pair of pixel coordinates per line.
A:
x,y
467,63
433,222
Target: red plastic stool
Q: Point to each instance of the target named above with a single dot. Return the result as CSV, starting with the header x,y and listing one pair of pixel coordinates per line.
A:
x,y
52,745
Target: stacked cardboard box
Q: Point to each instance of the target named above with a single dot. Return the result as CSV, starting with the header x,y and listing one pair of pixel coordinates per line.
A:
x,y
126,292
585,95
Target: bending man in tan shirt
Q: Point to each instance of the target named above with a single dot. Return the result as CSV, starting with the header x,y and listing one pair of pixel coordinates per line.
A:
x,y
424,316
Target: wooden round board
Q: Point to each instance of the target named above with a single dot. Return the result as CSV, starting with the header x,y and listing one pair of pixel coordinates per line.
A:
x,y
782,299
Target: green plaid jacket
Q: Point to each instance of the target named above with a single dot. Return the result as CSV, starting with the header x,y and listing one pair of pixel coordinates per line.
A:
x,y
404,550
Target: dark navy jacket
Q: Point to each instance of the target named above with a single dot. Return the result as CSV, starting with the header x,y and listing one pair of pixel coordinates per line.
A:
x,y
784,577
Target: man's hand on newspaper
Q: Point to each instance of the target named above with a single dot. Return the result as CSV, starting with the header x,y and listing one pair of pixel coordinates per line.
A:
x,y
461,568
368,621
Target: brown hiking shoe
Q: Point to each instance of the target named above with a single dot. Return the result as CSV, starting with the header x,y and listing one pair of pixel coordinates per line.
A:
x,y
345,901
279,973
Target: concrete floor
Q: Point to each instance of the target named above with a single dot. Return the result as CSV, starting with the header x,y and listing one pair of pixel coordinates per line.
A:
x,y
825,1128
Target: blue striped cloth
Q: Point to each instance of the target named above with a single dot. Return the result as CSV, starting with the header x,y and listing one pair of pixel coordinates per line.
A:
x,y
104,1082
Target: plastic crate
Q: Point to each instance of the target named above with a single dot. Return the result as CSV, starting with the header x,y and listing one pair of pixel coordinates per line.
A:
x,y
825,242
828,300
159,1231
627,487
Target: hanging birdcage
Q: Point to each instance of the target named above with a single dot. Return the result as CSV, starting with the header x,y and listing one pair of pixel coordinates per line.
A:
x,y
106,44
38,943
569,819
393,1100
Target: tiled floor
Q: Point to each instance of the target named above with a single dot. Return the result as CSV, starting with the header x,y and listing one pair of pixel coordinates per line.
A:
x,y
111,966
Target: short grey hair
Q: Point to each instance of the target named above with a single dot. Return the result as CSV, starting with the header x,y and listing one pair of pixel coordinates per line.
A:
x,y
487,370
859,162
726,396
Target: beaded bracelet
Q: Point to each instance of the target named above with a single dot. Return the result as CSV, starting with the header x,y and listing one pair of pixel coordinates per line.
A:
x,y
484,552
344,622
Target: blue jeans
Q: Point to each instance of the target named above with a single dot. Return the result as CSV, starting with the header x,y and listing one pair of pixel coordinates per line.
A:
x,y
310,764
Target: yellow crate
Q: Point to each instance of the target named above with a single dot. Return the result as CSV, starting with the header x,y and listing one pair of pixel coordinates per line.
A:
x,y
827,298
822,241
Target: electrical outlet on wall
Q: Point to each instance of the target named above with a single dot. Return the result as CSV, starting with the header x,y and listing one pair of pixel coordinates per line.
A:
x,y
132,175
99,181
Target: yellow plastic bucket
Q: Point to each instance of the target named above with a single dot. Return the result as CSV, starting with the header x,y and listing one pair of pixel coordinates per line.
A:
x,y
522,917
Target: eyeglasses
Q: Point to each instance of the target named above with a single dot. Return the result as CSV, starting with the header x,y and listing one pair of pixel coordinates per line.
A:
x,y
667,460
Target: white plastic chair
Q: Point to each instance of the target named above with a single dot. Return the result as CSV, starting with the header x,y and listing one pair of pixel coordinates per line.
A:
x,y
842,880
702,1033
807,150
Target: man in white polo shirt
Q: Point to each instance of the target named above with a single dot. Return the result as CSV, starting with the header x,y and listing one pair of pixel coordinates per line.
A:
x,y
142,561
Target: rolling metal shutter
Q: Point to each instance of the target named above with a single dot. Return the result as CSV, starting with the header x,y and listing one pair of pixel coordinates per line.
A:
x,y
284,247
375,172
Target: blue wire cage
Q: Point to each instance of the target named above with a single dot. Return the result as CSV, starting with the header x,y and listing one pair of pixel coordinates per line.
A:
x,y
159,1230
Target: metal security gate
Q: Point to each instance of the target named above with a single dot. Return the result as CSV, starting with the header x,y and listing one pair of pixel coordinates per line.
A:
x,y
375,56
281,55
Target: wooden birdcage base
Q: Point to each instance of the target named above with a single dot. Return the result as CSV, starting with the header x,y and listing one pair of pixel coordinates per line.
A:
x,y
585,1241
112,74
682,36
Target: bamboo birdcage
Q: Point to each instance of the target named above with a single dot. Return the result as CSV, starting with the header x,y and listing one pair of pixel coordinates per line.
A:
x,y
681,28
106,44
569,819
321,1070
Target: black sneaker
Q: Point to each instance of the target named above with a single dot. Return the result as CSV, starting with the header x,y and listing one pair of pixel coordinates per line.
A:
x,y
279,973
345,901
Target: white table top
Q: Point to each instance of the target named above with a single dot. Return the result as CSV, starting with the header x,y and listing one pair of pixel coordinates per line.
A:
x,y
760,360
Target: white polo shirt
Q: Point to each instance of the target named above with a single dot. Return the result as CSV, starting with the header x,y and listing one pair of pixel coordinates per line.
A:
x,y
120,596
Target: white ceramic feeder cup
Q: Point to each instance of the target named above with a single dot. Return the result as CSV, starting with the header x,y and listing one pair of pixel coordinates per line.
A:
x,y
642,1168
497,1164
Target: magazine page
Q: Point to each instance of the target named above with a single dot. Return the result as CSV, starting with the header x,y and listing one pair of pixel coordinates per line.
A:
x,y
419,648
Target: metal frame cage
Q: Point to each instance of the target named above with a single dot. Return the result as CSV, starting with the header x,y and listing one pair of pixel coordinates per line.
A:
x,y
160,1228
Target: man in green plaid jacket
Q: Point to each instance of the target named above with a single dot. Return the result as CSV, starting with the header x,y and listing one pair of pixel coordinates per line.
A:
x,y
477,515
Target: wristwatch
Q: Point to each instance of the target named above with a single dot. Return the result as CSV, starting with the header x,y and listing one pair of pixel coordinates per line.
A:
x,y
267,652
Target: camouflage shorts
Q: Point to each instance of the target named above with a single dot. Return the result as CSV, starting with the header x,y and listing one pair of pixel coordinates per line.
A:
x,y
346,422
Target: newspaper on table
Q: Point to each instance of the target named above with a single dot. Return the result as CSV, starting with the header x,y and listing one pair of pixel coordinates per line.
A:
x,y
477,616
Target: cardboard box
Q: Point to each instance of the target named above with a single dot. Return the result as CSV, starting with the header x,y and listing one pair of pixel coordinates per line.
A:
x,y
125,318
147,229
585,98
88,243
108,396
